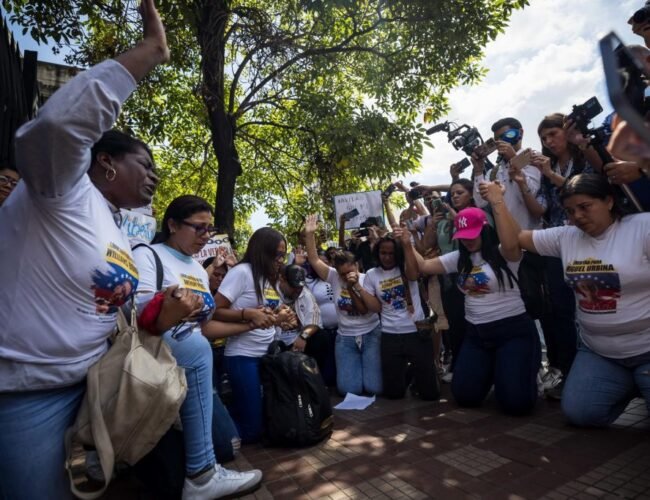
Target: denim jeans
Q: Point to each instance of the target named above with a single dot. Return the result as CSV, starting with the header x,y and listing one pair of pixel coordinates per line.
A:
x,y
397,351
506,353
32,453
598,388
358,363
246,407
163,469
194,354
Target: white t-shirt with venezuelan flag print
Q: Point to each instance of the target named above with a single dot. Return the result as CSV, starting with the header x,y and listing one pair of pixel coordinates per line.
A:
x,y
388,287
351,323
178,269
239,288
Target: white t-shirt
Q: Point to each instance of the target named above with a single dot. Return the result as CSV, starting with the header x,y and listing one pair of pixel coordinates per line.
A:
x,y
306,310
239,288
484,301
178,269
389,288
65,266
513,197
610,276
324,295
351,323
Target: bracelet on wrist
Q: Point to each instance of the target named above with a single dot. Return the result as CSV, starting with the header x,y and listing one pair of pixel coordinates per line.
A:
x,y
498,202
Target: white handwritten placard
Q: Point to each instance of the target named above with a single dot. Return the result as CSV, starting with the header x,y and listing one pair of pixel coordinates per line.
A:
x,y
367,203
139,228
218,246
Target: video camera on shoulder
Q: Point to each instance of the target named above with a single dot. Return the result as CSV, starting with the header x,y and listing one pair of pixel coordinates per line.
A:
x,y
465,138
582,114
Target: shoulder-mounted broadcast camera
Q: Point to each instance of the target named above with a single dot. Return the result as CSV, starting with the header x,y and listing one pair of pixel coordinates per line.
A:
x,y
466,139
462,137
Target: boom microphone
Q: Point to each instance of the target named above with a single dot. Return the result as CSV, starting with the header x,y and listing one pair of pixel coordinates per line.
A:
x,y
438,128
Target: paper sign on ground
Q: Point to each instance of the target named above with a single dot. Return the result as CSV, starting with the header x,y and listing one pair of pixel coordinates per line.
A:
x,y
354,402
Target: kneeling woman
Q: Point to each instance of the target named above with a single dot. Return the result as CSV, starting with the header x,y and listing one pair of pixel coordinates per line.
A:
x,y
502,346
393,292
605,258
358,362
185,230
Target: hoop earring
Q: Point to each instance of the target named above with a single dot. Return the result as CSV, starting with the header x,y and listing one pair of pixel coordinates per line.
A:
x,y
111,174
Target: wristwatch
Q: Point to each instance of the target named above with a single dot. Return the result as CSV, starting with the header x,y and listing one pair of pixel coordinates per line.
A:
x,y
304,336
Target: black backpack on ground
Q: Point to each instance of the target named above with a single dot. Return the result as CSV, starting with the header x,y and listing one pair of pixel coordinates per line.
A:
x,y
297,405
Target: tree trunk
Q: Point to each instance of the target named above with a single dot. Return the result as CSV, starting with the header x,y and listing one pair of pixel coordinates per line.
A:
x,y
212,20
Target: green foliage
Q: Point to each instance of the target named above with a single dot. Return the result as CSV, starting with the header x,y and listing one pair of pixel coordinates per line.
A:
x,y
323,95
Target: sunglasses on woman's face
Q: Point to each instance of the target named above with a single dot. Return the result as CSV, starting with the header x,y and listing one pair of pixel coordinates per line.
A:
x,y
201,229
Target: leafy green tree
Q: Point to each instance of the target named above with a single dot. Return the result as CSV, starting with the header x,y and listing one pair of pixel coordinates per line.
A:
x,y
298,99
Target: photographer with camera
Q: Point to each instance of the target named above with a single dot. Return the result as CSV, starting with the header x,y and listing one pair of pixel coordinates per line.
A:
x,y
563,156
523,202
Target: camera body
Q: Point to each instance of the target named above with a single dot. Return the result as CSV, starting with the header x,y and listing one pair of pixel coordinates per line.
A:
x,y
389,190
465,138
582,114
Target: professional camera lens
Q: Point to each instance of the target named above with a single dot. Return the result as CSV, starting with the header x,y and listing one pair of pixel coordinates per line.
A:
x,y
641,15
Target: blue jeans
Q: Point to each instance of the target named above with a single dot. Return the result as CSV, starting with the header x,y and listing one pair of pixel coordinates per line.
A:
x,y
246,406
163,469
194,354
506,353
32,453
358,363
598,388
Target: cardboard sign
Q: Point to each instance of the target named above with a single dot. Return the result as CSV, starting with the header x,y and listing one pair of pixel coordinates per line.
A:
x,y
139,228
368,204
218,246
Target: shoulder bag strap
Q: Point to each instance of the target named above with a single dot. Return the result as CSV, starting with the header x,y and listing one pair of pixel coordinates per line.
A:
x,y
159,266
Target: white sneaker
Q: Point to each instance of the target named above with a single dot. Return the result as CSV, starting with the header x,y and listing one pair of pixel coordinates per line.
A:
x,y
223,483
447,377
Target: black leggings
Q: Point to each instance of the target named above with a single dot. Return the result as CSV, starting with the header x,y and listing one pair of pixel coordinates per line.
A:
x,y
399,349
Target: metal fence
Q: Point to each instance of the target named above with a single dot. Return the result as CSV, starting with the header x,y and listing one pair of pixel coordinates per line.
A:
x,y
18,90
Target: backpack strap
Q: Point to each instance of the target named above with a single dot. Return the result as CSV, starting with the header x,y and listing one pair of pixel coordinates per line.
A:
x,y
159,265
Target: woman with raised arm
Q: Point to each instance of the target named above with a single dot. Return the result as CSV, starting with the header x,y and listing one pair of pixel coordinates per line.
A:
x,y
501,346
358,363
59,311
392,291
605,259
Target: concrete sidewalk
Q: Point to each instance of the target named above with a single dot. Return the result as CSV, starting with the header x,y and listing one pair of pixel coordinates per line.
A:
x,y
415,450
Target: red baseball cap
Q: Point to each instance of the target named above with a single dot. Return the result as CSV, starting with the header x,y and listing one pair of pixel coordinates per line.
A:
x,y
468,223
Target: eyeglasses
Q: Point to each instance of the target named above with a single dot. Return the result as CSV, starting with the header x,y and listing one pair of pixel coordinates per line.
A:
x,y
281,255
200,229
9,181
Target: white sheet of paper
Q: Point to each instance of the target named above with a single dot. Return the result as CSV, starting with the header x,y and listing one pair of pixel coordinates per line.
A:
x,y
354,402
